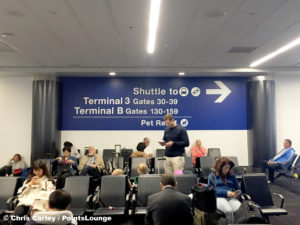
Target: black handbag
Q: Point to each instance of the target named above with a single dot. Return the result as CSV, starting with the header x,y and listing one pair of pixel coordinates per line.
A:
x,y
204,198
63,168
249,213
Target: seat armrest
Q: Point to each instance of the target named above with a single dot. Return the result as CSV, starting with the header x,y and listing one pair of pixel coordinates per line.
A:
x,y
127,203
89,201
127,199
11,203
245,196
95,197
282,199
133,203
133,199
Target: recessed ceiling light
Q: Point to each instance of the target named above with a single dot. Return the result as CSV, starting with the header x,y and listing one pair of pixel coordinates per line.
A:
x,y
181,73
279,51
6,35
153,24
112,73
261,77
215,13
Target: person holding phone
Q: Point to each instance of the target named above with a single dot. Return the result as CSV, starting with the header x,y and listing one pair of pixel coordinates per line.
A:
x,y
226,186
39,179
175,140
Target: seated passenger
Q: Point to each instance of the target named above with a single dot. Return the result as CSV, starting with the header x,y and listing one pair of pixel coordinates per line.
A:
x,y
39,179
14,166
74,151
169,206
117,172
57,213
197,150
91,164
140,151
148,150
142,169
66,166
227,187
282,160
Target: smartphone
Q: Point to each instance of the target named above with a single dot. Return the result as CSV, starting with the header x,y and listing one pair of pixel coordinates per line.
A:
x,y
162,143
238,192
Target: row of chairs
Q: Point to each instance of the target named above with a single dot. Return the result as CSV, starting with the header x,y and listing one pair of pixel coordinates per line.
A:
x,y
114,191
291,173
109,153
157,165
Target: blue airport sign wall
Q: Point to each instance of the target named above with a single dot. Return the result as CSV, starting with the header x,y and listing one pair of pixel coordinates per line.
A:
x,y
134,103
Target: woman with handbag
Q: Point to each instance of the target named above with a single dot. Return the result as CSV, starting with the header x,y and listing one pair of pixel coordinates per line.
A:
x,y
226,186
37,184
66,166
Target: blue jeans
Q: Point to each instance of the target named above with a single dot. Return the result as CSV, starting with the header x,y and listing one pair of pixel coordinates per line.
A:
x,y
88,170
228,206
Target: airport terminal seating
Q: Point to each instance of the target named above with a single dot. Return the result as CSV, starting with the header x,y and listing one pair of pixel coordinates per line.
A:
x,y
10,186
133,163
108,154
205,164
290,172
188,164
256,186
214,152
118,163
148,184
185,183
113,163
81,191
113,192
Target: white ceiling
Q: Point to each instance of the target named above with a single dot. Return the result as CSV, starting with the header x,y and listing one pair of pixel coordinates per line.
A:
x,y
113,33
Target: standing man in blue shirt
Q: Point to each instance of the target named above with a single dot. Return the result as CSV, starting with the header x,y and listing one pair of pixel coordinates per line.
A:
x,y
282,160
175,139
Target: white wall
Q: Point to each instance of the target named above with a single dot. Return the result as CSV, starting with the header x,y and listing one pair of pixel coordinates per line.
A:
x,y
287,98
231,143
15,116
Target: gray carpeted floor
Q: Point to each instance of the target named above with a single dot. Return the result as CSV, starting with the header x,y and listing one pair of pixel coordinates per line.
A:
x,y
291,192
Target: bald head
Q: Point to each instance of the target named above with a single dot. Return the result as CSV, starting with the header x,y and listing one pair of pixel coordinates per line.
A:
x,y
92,150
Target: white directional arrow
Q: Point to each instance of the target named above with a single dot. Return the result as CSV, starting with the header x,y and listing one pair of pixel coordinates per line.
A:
x,y
224,91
